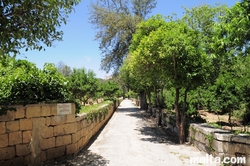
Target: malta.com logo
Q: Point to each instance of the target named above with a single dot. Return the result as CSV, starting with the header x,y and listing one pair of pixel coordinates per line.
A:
x,y
209,159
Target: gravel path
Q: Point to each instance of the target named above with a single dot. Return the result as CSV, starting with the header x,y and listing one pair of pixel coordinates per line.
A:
x,y
131,138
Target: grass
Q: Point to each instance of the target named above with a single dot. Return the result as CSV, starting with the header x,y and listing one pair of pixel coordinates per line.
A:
x,y
90,108
214,124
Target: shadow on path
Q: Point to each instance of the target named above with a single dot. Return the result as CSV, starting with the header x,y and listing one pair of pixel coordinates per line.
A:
x,y
149,129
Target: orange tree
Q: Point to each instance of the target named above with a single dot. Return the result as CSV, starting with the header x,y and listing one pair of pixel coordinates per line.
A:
x,y
173,54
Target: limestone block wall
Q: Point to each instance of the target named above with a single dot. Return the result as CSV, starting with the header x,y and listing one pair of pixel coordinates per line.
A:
x,y
167,120
36,133
218,142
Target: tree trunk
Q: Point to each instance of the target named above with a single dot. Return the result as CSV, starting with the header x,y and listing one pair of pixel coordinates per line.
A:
x,y
149,102
177,111
157,98
183,117
143,101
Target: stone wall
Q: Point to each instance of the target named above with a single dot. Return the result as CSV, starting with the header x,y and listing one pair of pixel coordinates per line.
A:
x,y
167,120
36,133
218,142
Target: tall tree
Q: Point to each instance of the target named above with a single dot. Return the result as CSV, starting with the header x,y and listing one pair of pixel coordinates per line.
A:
x,y
204,18
31,24
64,69
115,21
173,53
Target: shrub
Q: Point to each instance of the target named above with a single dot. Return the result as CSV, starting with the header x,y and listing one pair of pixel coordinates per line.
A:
x,y
23,83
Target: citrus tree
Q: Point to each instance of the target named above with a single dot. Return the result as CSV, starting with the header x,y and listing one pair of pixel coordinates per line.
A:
x,y
173,54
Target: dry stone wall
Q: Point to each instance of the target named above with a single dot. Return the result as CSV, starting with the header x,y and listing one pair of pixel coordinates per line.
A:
x,y
36,133
218,142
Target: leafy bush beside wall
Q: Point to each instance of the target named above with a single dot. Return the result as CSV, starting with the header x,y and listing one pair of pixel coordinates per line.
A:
x,y
21,82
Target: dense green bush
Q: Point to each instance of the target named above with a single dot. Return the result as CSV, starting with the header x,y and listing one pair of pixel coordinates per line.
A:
x,y
23,83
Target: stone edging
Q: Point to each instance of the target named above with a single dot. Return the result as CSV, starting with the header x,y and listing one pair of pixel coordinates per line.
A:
x,y
218,142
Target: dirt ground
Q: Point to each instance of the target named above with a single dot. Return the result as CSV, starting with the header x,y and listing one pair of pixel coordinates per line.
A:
x,y
214,118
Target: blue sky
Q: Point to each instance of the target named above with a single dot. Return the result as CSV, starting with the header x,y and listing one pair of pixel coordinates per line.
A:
x,y
79,49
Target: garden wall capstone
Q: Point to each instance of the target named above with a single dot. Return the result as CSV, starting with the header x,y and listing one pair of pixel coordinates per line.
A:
x,y
218,142
39,132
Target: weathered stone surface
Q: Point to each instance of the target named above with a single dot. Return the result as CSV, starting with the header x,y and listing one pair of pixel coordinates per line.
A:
x,y
45,110
53,109
57,120
12,126
200,137
6,163
75,137
200,146
55,152
22,150
43,156
71,149
47,143
247,160
241,139
70,118
26,124
80,117
80,143
78,126
27,136
224,143
84,123
73,109
2,128
7,153
219,146
47,132
17,161
63,140
4,141
20,113
64,129
223,136
236,148
10,115
27,159
47,121
33,111
15,138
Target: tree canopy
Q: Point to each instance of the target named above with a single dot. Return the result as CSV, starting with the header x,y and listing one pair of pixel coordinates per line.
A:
x,y
31,24
115,22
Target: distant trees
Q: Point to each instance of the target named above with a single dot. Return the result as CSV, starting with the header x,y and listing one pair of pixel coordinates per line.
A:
x,y
64,69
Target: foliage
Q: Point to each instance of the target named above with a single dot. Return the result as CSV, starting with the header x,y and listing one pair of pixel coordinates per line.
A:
x,y
89,108
213,124
23,83
110,89
96,111
169,53
64,69
115,22
23,23
83,85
